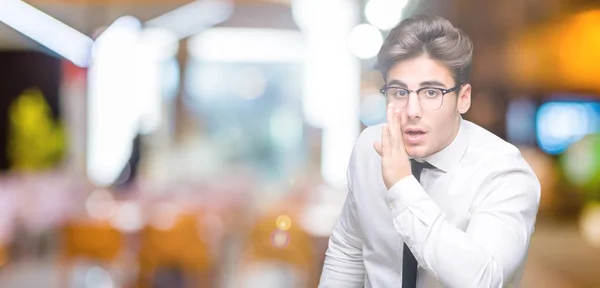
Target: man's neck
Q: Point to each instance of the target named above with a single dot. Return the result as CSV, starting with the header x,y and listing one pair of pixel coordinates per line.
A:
x,y
452,152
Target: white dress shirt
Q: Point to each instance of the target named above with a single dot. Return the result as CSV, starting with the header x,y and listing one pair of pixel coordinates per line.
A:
x,y
468,224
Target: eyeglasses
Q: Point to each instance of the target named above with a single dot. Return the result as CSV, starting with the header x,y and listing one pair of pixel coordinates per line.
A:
x,y
430,98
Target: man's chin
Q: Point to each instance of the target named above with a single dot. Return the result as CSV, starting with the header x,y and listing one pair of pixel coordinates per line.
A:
x,y
416,151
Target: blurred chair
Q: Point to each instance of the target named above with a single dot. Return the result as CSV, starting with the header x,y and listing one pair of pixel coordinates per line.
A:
x,y
177,246
278,242
97,241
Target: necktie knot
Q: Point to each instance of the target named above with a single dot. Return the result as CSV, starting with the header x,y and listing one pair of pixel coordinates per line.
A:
x,y
417,167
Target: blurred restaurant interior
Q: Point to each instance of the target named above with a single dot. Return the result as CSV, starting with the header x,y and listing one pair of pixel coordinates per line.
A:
x,y
180,143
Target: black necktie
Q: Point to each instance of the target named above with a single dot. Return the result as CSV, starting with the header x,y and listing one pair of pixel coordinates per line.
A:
x,y
409,263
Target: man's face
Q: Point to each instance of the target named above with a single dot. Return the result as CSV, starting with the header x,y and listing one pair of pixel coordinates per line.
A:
x,y
428,131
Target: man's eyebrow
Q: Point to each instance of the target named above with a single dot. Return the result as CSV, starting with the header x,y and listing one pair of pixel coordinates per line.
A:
x,y
397,83
432,83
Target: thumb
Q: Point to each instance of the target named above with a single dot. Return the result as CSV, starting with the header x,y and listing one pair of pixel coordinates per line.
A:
x,y
377,146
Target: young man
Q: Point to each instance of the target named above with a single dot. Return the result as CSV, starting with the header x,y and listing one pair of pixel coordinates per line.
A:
x,y
433,200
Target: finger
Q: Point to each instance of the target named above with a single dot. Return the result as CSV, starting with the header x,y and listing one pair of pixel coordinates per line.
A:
x,y
396,135
401,147
398,121
391,120
385,140
378,148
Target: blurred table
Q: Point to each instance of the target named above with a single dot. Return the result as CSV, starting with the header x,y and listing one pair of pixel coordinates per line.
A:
x,y
558,258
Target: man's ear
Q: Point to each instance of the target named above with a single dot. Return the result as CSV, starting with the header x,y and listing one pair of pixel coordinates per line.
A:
x,y
464,99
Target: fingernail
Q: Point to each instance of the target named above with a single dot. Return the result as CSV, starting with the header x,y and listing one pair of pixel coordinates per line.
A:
x,y
397,110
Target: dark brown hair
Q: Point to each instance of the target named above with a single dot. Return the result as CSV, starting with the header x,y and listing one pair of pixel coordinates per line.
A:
x,y
433,36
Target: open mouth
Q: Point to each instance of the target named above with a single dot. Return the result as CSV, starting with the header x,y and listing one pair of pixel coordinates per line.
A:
x,y
414,135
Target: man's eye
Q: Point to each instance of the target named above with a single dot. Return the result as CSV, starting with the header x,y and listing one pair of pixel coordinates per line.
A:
x,y
401,93
432,93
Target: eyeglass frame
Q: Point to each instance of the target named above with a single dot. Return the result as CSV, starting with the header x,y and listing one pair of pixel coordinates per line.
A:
x,y
444,92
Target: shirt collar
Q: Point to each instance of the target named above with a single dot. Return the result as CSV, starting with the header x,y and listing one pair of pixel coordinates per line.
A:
x,y
450,156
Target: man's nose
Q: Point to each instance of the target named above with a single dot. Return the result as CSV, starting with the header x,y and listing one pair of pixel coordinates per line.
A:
x,y
413,107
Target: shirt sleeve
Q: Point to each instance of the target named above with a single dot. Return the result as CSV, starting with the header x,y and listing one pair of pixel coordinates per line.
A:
x,y
344,266
490,251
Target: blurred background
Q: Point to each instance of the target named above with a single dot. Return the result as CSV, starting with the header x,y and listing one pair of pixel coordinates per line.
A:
x,y
204,143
